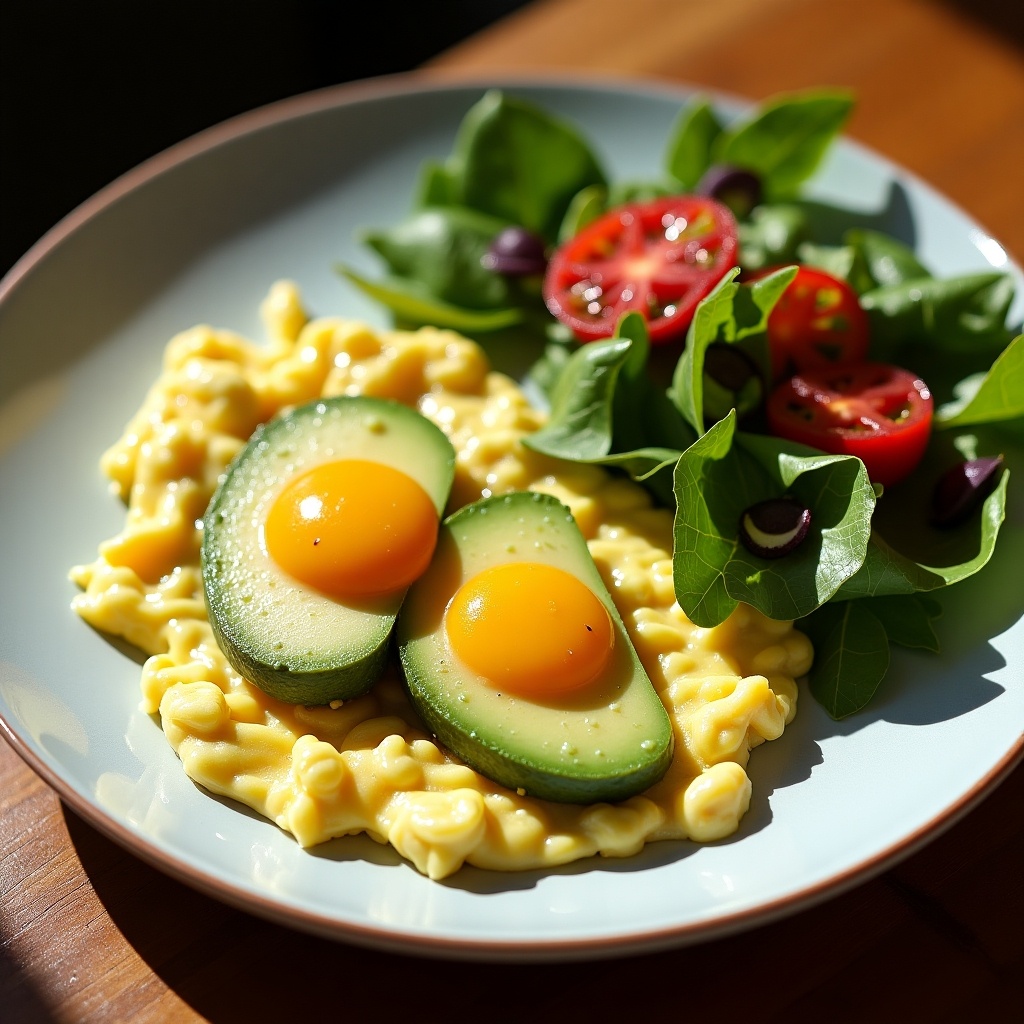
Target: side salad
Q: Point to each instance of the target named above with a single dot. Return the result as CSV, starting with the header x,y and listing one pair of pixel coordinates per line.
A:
x,y
828,419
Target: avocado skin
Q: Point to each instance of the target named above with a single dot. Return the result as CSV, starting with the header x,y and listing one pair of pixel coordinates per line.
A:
x,y
484,746
536,779
344,657
301,686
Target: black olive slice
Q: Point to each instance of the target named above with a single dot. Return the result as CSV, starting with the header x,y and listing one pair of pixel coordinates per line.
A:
x,y
774,527
962,488
516,252
736,187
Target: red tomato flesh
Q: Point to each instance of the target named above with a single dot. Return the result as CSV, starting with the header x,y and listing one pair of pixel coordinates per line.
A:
x,y
818,322
659,258
880,413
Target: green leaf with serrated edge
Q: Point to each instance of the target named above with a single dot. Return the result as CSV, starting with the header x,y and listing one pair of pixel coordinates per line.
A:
x,y
785,140
851,656
410,301
730,313
724,473
690,141
990,397
517,162
909,620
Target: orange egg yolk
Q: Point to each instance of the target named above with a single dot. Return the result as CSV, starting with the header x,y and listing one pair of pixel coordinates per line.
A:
x,y
352,528
530,629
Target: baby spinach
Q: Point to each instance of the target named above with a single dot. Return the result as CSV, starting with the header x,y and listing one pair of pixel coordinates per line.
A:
x,y
691,145
413,303
860,580
961,315
604,406
991,397
783,141
730,313
851,656
717,478
515,161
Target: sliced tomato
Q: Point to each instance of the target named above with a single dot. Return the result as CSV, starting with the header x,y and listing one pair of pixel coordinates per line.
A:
x,y
659,258
880,413
817,322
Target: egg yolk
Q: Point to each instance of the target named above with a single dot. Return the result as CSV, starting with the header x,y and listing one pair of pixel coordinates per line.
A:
x,y
530,629
352,528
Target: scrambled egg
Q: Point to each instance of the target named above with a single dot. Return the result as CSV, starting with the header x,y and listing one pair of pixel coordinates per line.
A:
x,y
369,765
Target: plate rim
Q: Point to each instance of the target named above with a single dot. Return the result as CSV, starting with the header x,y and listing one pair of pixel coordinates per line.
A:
x,y
399,940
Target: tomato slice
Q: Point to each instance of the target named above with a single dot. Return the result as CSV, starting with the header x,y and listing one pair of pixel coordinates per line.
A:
x,y
880,413
659,258
817,322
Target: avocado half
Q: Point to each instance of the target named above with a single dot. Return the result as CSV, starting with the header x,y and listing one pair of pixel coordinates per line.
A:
x,y
292,641
606,743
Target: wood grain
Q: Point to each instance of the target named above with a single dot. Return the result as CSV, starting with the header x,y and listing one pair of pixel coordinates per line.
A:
x,y
90,933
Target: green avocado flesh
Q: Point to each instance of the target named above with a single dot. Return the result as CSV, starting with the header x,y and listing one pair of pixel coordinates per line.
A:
x,y
294,642
606,742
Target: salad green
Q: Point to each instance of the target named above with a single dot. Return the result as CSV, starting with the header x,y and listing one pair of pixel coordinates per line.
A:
x,y
860,581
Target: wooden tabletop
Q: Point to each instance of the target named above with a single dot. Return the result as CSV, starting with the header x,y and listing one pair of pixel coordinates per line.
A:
x,y
90,933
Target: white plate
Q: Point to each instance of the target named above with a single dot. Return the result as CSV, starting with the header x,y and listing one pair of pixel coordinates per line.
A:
x,y
197,235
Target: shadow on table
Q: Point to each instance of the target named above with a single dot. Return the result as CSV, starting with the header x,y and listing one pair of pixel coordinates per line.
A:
x,y
18,996
1004,18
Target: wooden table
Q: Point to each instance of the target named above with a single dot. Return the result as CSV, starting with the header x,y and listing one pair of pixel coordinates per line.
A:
x,y
88,932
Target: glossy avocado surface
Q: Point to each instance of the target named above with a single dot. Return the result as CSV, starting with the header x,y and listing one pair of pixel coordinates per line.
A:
x,y
605,742
293,641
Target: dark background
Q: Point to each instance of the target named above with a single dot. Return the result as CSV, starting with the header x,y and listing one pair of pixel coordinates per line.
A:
x,y
89,90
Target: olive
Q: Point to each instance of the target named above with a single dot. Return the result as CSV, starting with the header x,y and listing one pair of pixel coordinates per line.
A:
x,y
774,527
735,187
731,381
962,488
516,252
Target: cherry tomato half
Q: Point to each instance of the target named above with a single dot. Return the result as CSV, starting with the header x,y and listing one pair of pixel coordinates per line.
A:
x,y
659,258
880,413
817,322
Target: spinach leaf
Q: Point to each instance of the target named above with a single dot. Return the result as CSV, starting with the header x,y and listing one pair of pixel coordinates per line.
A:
x,y
441,248
909,620
844,261
887,260
785,140
690,143
907,555
413,304
990,397
515,161
851,656
772,235
436,187
587,205
961,315
582,400
602,404
716,480
730,313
